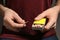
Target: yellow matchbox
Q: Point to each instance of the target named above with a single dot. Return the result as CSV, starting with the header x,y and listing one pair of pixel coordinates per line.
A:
x,y
42,21
39,24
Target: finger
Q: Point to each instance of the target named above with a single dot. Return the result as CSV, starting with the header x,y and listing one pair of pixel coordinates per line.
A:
x,y
8,26
49,24
54,26
10,22
13,24
42,15
19,19
19,25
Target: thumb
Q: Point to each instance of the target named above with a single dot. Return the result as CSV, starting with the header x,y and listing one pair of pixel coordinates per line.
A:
x,y
40,16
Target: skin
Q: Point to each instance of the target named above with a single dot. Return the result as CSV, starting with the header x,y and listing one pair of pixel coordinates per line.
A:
x,y
10,15
51,14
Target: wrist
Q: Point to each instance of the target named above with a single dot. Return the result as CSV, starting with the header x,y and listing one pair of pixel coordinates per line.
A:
x,y
2,8
58,8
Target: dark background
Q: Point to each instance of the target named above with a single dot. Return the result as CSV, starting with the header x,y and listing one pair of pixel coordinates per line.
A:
x,y
1,21
58,27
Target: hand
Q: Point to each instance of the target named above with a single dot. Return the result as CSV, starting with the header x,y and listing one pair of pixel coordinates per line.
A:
x,y
9,17
51,14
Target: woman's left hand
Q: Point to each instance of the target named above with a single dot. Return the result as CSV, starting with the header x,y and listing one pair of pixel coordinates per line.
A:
x,y
51,14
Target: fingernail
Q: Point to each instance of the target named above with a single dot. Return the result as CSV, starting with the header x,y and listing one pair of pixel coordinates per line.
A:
x,y
36,18
24,21
46,28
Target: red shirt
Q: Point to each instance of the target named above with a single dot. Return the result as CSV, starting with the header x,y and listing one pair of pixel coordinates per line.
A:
x,y
28,10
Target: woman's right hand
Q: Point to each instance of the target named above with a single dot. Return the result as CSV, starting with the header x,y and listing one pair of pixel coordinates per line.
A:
x,y
9,17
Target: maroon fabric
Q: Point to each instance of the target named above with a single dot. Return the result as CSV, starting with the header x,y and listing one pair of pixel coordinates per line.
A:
x,y
13,37
28,10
